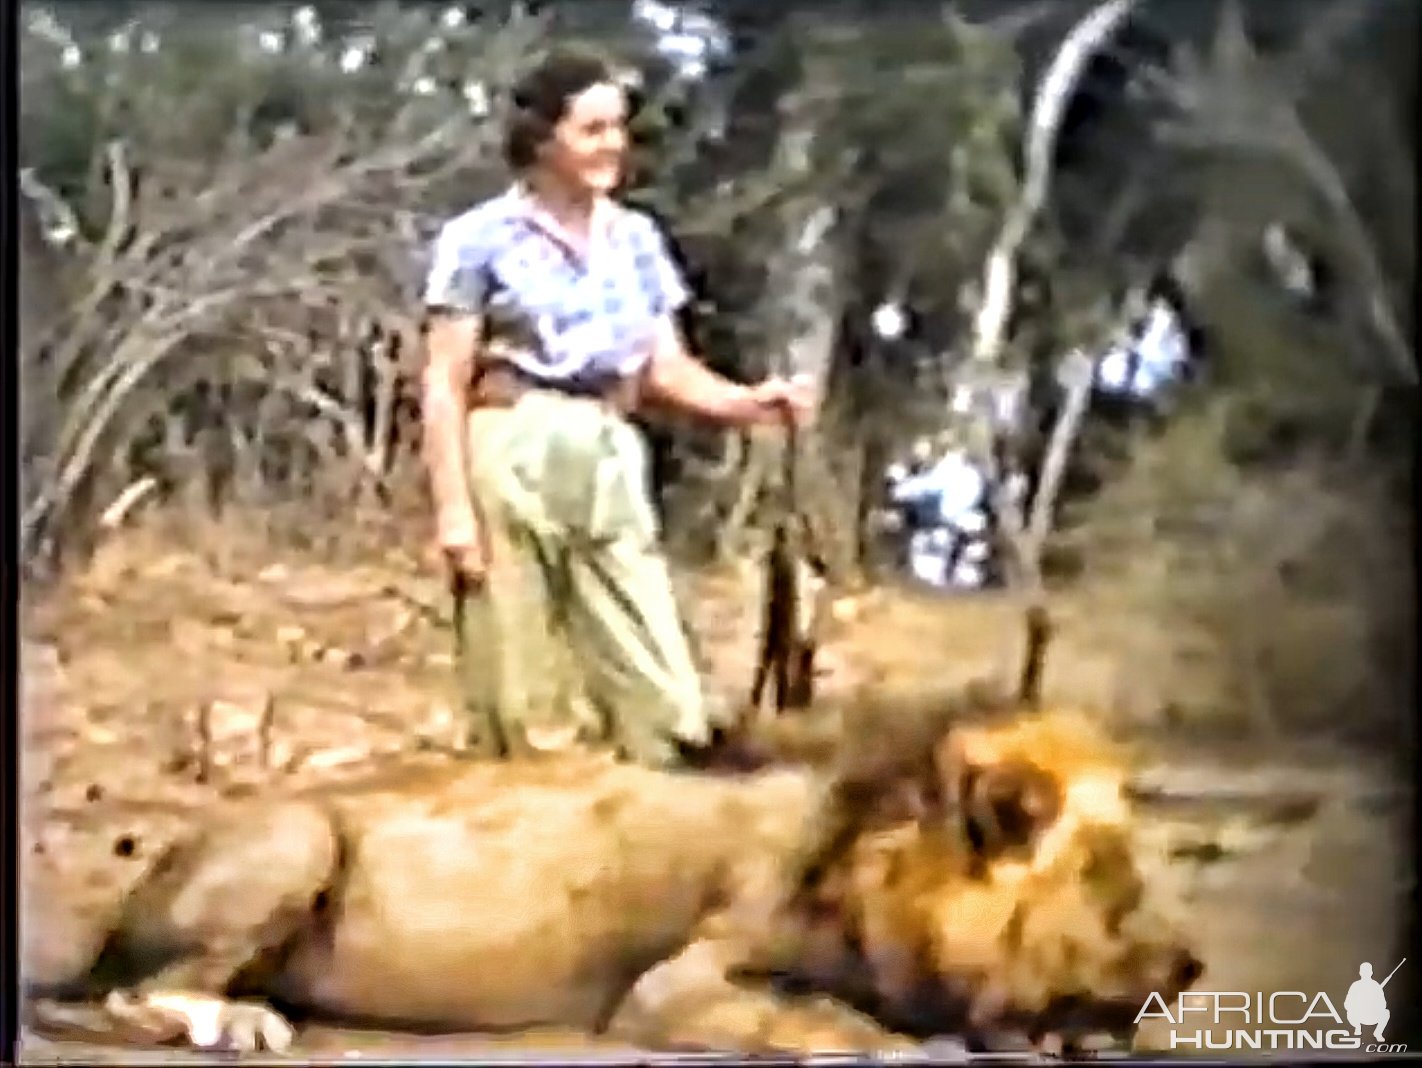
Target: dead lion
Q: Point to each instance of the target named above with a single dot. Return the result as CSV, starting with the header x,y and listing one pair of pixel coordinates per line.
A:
x,y
992,880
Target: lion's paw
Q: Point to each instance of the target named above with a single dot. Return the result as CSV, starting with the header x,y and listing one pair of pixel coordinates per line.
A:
x,y
206,1021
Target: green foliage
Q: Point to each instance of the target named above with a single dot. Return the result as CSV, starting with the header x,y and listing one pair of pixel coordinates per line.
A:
x,y
236,325
935,147
916,123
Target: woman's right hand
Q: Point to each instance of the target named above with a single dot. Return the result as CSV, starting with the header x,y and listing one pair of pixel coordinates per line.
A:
x,y
464,554
451,340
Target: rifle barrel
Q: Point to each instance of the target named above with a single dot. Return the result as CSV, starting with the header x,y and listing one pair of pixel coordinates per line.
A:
x,y
1393,972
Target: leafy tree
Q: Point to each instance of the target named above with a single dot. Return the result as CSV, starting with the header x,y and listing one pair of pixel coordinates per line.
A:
x,y
247,194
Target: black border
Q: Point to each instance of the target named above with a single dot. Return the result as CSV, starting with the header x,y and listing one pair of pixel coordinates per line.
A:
x,y
9,578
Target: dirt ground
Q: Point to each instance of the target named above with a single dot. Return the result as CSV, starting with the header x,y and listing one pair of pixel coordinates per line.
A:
x,y
1291,858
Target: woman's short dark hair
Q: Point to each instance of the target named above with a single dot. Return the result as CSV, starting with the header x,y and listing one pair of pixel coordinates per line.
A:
x,y
541,98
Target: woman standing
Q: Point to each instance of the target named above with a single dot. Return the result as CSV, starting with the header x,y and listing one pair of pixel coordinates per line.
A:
x,y
550,317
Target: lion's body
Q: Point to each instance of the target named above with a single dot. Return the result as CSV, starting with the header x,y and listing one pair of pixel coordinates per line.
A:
x,y
477,896
578,892
510,896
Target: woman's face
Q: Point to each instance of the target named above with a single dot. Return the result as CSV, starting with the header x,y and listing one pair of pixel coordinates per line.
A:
x,y
590,140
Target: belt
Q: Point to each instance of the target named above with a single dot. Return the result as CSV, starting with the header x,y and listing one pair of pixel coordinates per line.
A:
x,y
501,385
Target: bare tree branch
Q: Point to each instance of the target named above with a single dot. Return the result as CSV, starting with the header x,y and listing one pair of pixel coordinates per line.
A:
x,y
1049,105
217,254
1023,545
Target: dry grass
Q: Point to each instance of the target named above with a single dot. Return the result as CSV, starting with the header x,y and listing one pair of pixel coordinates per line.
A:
x,y
343,642
150,632
1277,601
350,652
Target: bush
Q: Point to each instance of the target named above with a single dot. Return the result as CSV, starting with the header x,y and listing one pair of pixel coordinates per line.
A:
x,y
1269,599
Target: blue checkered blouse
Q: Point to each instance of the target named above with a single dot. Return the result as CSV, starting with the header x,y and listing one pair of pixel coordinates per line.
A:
x,y
592,316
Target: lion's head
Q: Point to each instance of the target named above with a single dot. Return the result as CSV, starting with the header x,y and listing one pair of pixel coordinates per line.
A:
x,y
995,883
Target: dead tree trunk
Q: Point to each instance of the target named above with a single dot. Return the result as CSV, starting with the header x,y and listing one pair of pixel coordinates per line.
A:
x,y
986,372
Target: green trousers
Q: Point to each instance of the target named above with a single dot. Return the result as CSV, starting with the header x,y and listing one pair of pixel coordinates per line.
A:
x,y
576,625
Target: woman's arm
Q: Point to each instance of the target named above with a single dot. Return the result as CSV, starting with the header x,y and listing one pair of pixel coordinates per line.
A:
x,y
451,340
454,301
678,379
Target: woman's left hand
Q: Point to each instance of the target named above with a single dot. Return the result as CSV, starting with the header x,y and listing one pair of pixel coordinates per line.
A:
x,y
777,398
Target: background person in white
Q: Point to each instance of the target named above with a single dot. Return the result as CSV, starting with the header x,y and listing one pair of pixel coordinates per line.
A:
x,y
1152,357
953,488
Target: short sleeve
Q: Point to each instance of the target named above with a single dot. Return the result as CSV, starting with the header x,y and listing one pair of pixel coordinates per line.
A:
x,y
457,278
667,291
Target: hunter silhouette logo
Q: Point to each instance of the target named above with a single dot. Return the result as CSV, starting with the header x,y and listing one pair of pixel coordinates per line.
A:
x,y
1285,1019
1366,1004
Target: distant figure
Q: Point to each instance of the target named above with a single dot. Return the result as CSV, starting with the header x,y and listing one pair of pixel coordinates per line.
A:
x,y
944,504
954,484
1366,1004
919,509
929,553
1154,357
